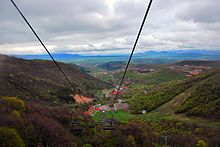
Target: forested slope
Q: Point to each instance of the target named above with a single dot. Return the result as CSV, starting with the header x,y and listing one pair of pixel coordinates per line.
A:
x,y
203,100
29,78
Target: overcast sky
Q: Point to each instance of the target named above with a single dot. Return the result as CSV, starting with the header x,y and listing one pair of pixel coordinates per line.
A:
x,y
109,26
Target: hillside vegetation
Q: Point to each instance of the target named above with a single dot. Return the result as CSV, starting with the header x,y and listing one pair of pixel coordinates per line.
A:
x,y
199,63
26,122
38,125
162,94
41,78
112,65
204,100
156,77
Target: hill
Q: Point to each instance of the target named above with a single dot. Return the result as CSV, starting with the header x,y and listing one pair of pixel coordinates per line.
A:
x,y
197,96
148,57
204,99
30,123
114,65
199,63
41,78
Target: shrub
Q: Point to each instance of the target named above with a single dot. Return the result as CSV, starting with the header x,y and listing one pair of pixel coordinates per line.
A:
x,y
135,133
87,145
8,117
63,94
15,114
14,103
201,143
45,131
10,138
131,140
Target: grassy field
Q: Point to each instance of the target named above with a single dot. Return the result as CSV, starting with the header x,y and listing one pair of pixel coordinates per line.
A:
x,y
123,116
165,76
118,115
161,75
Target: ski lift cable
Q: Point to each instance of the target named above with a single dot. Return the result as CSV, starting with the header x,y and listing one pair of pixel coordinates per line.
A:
x,y
132,52
41,42
133,49
44,46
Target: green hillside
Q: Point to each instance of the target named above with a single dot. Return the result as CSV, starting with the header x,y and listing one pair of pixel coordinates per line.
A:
x,y
199,63
162,94
204,100
159,76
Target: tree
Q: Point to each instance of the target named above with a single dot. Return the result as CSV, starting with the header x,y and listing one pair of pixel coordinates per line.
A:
x,y
63,94
201,143
10,138
14,103
45,131
131,141
135,133
87,145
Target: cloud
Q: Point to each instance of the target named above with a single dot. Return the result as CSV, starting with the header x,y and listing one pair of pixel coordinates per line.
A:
x,y
109,26
202,11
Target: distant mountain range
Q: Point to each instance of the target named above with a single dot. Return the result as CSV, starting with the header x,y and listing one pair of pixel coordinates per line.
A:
x,y
146,57
182,54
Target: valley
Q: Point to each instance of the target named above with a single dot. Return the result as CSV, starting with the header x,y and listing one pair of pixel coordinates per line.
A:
x,y
109,73
181,78
178,100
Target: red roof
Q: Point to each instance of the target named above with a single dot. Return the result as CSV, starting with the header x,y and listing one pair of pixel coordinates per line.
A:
x,y
125,87
91,108
117,92
98,109
87,113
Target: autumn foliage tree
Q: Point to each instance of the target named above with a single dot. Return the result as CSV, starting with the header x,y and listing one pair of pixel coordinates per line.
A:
x,y
135,133
10,138
45,131
14,103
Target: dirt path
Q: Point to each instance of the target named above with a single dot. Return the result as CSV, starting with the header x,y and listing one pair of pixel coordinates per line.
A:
x,y
170,107
81,99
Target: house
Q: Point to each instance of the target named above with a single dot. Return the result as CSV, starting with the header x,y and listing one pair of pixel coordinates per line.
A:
x,y
87,113
116,91
121,105
90,111
121,91
195,72
105,108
